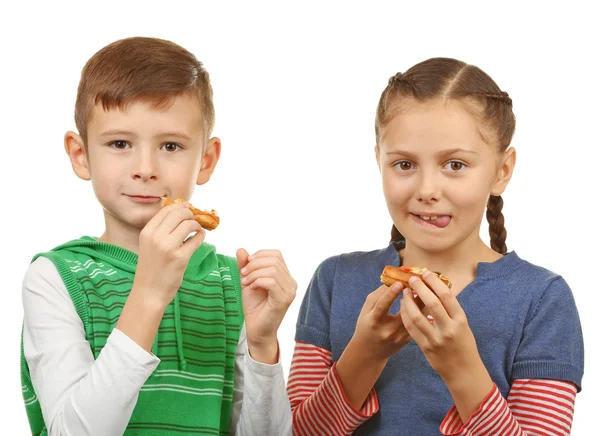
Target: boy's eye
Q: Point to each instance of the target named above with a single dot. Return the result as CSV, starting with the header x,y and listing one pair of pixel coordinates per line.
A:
x,y
171,146
404,165
120,145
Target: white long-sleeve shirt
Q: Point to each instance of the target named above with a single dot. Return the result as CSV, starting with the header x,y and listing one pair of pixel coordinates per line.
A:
x,y
81,396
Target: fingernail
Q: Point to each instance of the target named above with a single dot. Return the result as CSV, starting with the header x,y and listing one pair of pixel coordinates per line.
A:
x,y
243,271
412,280
245,280
426,273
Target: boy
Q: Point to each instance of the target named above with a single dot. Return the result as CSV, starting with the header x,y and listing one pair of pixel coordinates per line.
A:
x,y
144,330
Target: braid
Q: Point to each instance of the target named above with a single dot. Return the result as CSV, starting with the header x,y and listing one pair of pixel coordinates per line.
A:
x,y
496,221
396,235
501,96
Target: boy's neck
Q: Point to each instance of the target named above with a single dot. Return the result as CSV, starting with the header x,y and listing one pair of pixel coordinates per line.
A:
x,y
119,234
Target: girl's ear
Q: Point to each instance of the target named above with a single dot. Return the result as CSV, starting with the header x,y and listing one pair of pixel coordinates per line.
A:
x,y
505,171
212,152
75,148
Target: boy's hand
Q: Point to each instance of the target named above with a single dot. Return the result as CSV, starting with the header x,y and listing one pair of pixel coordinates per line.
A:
x,y
163,255
268,289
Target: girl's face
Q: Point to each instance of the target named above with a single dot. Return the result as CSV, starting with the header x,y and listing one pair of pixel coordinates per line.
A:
x,y
437,174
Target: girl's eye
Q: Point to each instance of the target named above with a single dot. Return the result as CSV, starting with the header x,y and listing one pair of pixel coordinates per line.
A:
x,y
455,165
404,165
119,145
171,146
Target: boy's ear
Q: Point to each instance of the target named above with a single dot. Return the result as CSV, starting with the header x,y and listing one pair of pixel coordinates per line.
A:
x,y
505,171
76,150
211,155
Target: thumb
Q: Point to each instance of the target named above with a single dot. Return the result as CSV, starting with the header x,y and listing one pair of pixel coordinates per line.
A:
x,y
242,258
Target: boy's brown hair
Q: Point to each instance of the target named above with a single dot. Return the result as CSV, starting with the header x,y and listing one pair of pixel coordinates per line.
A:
x,y
141,68
446,78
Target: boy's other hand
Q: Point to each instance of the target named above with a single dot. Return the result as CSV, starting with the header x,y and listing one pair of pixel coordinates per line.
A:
x,y
163,255
268,289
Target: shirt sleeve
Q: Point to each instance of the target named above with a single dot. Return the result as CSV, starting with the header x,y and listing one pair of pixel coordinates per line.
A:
x,y
319,403
260,405
78,395
533,407
552,341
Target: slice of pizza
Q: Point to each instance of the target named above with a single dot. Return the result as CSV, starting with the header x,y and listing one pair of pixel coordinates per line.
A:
x,y
209,220
392,274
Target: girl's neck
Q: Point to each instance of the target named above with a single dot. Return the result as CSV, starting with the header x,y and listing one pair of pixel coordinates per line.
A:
x,y
120,234
459,263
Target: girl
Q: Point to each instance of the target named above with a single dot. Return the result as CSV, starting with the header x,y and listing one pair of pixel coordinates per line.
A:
x,y
501,350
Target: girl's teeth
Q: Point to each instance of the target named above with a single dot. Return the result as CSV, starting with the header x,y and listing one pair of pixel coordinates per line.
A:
x,y
428,218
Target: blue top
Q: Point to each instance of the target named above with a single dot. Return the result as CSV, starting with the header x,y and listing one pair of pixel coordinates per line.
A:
x,y
523,317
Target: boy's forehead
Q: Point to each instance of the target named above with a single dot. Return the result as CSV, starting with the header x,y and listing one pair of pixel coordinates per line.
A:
x,y
181,114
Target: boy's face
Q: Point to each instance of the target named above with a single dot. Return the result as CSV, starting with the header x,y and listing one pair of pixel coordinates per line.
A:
x,y
137,155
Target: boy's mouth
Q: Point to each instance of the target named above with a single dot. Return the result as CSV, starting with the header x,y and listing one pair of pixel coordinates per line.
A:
x,y
144,198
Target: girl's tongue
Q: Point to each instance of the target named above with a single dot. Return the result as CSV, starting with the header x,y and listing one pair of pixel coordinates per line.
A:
x,y
440,221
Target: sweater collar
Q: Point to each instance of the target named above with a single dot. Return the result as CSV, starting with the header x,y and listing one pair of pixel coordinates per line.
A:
x,y
485,270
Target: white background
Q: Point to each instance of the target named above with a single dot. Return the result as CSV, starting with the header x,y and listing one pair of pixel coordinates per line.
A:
x,y
295,93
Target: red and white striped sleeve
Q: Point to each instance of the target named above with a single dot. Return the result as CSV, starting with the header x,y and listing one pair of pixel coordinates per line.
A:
x,y
319,404
534,407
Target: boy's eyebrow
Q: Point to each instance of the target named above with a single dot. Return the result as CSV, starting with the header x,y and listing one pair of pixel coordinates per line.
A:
x,y
116,133
174,134
161,135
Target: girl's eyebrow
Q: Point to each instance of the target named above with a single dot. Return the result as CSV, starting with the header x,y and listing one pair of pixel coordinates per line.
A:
x,y
441,153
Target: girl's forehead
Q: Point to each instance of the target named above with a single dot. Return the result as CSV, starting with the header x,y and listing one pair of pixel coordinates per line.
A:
x,y
444,123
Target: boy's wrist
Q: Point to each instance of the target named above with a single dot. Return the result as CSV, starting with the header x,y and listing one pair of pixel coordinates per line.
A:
x,y
140,318
148,298
264,351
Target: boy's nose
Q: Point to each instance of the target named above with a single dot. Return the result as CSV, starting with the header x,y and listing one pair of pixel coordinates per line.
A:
x,y
144,166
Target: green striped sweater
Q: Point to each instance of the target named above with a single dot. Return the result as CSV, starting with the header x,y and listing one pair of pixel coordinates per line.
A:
x,y
192,388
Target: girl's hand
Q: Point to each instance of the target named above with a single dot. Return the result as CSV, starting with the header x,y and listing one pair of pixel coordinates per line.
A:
x,y
447,341
377,333
268,289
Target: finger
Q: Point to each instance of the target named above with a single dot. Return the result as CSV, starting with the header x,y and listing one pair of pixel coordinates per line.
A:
x,y
163,212
417,301
268,253
173,219
193,243
415,316
242,258
431,301
418,336
182,231
372,298
384,303
275,291
263,262
269,271
445,295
